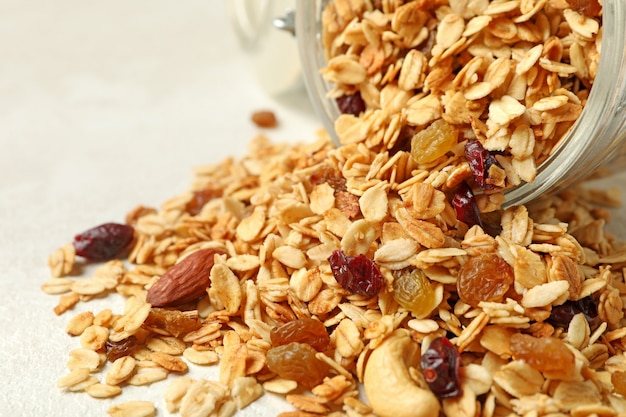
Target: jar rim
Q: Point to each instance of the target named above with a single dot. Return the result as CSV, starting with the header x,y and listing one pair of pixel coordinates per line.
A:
x,y
595,136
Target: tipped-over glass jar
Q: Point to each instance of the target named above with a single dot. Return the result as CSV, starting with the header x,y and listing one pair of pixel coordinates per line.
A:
x,y
522,77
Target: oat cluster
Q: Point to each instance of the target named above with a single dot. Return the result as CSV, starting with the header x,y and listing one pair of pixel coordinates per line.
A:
x,y
532,304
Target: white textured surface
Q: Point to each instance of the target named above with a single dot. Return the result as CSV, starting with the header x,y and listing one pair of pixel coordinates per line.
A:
x,y
104,106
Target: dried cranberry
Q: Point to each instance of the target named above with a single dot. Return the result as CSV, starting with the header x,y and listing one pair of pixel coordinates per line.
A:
x,y
357,274
480,160
440,365
351,104
465,206
561,315
103,242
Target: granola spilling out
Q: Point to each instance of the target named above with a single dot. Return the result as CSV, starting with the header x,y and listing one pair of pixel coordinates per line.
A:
x,y
527,321
388,263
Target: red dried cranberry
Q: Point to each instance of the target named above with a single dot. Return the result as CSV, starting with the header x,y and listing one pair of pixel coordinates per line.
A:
x,y
440,365
480,160
357,274
465,206
561,315
351,104
103,242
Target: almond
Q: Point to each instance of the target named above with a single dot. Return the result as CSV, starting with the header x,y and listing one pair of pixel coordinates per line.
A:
x,y
185,281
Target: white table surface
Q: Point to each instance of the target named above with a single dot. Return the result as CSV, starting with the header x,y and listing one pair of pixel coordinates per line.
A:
x,y
104,106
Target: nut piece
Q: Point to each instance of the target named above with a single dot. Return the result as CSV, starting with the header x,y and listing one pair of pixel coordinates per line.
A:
x,y
184,282
387,377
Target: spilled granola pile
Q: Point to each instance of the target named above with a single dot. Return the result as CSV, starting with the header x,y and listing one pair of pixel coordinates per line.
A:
x,y
310,271
276,216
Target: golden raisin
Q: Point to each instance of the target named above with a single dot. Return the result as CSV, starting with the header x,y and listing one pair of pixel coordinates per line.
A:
x,y
545,354
264,118
590,8
433,142
485,277
304,330
414,292
171,322
618,379
297,362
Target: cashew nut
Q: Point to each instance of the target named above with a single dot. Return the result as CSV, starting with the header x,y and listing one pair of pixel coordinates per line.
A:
x,y
388,385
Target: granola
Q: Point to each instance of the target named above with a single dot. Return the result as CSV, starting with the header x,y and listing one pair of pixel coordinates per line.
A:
x,y
514,75
271,221
282,273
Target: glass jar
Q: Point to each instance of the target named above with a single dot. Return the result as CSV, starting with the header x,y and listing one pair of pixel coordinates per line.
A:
x,y
596,140
272,53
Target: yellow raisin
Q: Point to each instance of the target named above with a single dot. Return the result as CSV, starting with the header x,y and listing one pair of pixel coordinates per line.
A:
x,y
414,292
485,277
545,354
618,379
433,142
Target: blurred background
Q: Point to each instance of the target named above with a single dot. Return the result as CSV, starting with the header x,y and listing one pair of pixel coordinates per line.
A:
x,y
105,106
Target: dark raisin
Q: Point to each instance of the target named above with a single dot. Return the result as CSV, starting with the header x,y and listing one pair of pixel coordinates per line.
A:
x,y
480,160
561,315
116,350
357,274
403,142
103,242
440,365
200,198
329,175
465,206
351,104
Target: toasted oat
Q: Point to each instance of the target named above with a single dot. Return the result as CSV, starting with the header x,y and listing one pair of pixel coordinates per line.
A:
x,y
121,369
62,261
103,390
77,324
132,409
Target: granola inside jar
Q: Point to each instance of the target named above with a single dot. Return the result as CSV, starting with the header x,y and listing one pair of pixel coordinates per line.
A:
x,y
525,79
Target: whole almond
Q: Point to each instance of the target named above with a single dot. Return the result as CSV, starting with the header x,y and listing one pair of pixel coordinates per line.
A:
x,y
183,282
